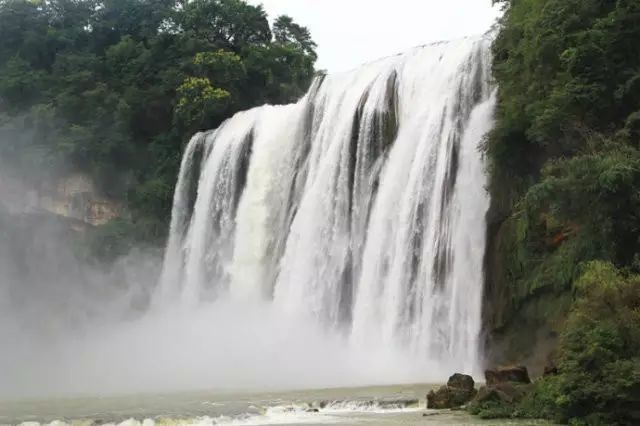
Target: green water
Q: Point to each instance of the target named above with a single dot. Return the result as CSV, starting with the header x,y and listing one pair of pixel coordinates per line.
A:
x,y
386,405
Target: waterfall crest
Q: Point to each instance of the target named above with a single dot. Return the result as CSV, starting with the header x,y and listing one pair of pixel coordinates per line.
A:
x,y
362,206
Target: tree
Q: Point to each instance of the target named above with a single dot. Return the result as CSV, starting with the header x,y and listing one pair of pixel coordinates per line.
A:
x,y
225,24
199,100
287,32
115,88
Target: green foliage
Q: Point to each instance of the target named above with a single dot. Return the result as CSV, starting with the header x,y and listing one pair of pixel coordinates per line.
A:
x,y
225,24
20,83
199,100
599,362
115,88
600,349
564,151
596,195
226,67
542,401
598,380
565,180
492,409
565,63
287,32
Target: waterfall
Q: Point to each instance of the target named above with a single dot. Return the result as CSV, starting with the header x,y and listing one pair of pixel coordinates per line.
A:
x,y
362,206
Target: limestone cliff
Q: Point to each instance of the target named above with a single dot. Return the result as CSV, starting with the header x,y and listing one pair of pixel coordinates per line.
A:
x,y
73,196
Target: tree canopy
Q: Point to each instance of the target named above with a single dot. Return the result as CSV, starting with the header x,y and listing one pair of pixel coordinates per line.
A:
x,y
115,88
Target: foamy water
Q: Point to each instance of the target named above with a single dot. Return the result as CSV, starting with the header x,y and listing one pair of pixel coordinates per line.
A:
x,y
388,405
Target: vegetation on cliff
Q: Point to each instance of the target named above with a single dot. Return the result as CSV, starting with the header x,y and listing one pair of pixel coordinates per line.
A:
x,y
597,380
114,88
565,177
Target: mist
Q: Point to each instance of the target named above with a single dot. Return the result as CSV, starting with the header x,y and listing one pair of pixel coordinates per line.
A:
x,y
83,333
51,298
69,328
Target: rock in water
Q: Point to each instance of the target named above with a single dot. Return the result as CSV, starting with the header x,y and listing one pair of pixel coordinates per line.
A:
x,y
439,399
458,391
517,374
461,381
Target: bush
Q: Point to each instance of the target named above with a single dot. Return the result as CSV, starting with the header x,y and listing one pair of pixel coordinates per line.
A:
x,y
492,409
598,380
599,366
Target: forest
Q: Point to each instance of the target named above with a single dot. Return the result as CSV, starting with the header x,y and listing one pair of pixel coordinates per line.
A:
x,y
563,261
116,88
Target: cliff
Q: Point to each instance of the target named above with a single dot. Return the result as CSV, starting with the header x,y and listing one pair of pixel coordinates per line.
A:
x,y
73,196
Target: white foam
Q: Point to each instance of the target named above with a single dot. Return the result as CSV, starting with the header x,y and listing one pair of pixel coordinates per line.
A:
x,y
318,412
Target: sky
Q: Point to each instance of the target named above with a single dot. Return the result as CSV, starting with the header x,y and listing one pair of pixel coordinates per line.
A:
x,y
352,32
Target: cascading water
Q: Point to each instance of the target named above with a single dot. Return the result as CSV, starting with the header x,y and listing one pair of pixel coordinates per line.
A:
x,y
362,206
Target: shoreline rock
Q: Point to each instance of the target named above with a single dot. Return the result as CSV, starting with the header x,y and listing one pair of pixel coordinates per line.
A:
x,y
459,390
507,386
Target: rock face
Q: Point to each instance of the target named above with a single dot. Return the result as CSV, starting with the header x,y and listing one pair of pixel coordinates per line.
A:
x,y
517,374
73,196
522,323
459,390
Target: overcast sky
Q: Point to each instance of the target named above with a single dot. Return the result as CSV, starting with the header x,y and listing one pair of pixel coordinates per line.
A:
x,y
351,32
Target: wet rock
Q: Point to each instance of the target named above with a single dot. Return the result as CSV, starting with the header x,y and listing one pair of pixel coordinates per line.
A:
x,y
461,388
312,410
515,374
458,391
462,382
439,399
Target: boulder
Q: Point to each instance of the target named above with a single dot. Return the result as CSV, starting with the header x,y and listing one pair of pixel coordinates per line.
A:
x,y
516,374
461,381
458,391
439,399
